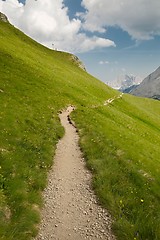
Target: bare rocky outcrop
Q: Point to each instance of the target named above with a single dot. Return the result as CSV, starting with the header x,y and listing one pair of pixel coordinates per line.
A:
x,y
78,62
3,17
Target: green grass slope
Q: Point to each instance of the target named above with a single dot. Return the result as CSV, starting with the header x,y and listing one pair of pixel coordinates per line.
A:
x,y
121,141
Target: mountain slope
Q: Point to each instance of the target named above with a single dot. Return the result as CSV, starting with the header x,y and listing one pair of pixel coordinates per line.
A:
x,y
35,84
120,141
128,90
150,86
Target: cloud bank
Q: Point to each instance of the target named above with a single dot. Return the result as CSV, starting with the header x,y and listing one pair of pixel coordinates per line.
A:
x,y
140,18
47,22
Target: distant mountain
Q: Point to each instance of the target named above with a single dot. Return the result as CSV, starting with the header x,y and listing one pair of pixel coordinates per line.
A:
x,y
128,83
150,86
129,89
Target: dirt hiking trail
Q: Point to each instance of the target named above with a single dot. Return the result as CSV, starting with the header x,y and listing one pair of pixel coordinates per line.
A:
x,y
70,209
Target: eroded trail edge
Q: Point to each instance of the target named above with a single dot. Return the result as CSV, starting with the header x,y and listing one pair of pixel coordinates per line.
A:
x,y
71,210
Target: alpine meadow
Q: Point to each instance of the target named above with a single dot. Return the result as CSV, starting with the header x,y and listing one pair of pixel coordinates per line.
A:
x,y
120,139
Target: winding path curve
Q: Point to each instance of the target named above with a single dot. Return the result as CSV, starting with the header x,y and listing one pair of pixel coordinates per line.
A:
x,y
71,211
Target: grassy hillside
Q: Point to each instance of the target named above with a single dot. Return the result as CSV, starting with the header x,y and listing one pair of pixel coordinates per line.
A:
x,y
122,148
121,141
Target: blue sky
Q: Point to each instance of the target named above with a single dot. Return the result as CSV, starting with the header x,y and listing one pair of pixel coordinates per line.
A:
x,y
111,38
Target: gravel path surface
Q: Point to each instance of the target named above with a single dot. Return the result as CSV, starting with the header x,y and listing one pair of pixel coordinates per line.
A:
x,y
71,211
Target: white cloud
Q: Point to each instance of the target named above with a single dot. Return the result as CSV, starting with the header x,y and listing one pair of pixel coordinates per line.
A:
x,y
103,62
11,7
47,21
140,18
